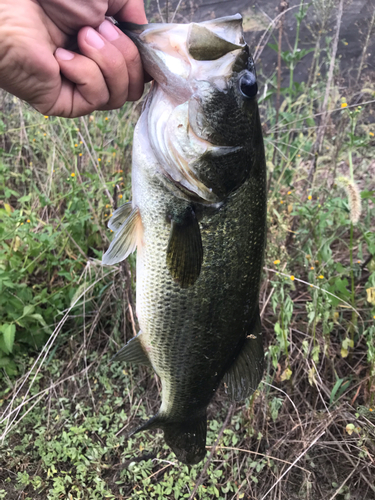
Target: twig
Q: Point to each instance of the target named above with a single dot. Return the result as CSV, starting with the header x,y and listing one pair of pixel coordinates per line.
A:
x,y
270,457
295,461
364,51
92,158
323,125
175,12
344,482
268,32
318,288
210,456
159,10
282,7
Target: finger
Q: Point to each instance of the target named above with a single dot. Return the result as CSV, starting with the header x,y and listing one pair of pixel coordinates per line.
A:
x,y
83,87
133,11
131,56
111,63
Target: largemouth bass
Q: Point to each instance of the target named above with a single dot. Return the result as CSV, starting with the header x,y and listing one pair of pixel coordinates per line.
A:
x,y
198,220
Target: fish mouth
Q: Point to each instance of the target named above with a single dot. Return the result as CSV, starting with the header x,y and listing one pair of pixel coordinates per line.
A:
x,y
175,54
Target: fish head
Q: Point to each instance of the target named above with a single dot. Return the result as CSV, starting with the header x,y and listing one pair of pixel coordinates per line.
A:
x,y
202,114
177,56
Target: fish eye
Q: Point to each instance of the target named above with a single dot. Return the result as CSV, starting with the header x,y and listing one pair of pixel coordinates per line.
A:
x,y
248,85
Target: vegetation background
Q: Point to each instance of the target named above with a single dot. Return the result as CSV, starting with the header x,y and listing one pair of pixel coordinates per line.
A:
x,y
309,430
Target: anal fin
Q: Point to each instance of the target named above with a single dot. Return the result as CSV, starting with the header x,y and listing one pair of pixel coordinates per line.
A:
x,y
185,251
128,234
133,352
244,375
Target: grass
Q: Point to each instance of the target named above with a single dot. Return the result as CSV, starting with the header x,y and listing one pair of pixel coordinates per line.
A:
x,y
309,430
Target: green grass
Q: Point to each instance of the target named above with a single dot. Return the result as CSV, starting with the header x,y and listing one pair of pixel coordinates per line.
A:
x,y
308,431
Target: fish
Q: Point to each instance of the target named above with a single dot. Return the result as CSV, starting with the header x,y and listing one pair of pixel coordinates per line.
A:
x,y
197,219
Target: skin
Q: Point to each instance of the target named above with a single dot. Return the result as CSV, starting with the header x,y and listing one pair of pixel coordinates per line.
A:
x,y
64,58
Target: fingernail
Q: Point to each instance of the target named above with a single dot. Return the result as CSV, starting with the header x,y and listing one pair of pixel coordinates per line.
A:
x,y
108,31
93,39
64,55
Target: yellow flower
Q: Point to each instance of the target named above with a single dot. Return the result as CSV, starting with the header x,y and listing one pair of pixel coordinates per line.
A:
x,y
372,134
114,153
344,104
321,277
120,171
106,118
289,192
72,174
99,159
276,262
309,197
80,142
44,135
80,154
76,145
292,277
120,196
312,268
28,220
281,202
358,261
46,117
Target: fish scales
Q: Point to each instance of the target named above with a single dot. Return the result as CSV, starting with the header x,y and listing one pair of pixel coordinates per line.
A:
x,y
200,235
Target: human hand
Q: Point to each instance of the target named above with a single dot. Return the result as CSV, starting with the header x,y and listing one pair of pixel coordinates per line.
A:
x,y
36,66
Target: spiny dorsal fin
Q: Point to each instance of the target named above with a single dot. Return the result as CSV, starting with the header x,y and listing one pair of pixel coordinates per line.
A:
x,y
119,216
243,377
133,352
126,239
185,251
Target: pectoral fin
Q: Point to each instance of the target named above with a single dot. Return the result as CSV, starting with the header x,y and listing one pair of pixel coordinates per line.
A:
x,y
185,251
119,216
243,377
126,239
133,352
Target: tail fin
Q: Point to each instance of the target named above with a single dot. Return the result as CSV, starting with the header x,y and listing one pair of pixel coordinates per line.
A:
x,y
187,439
